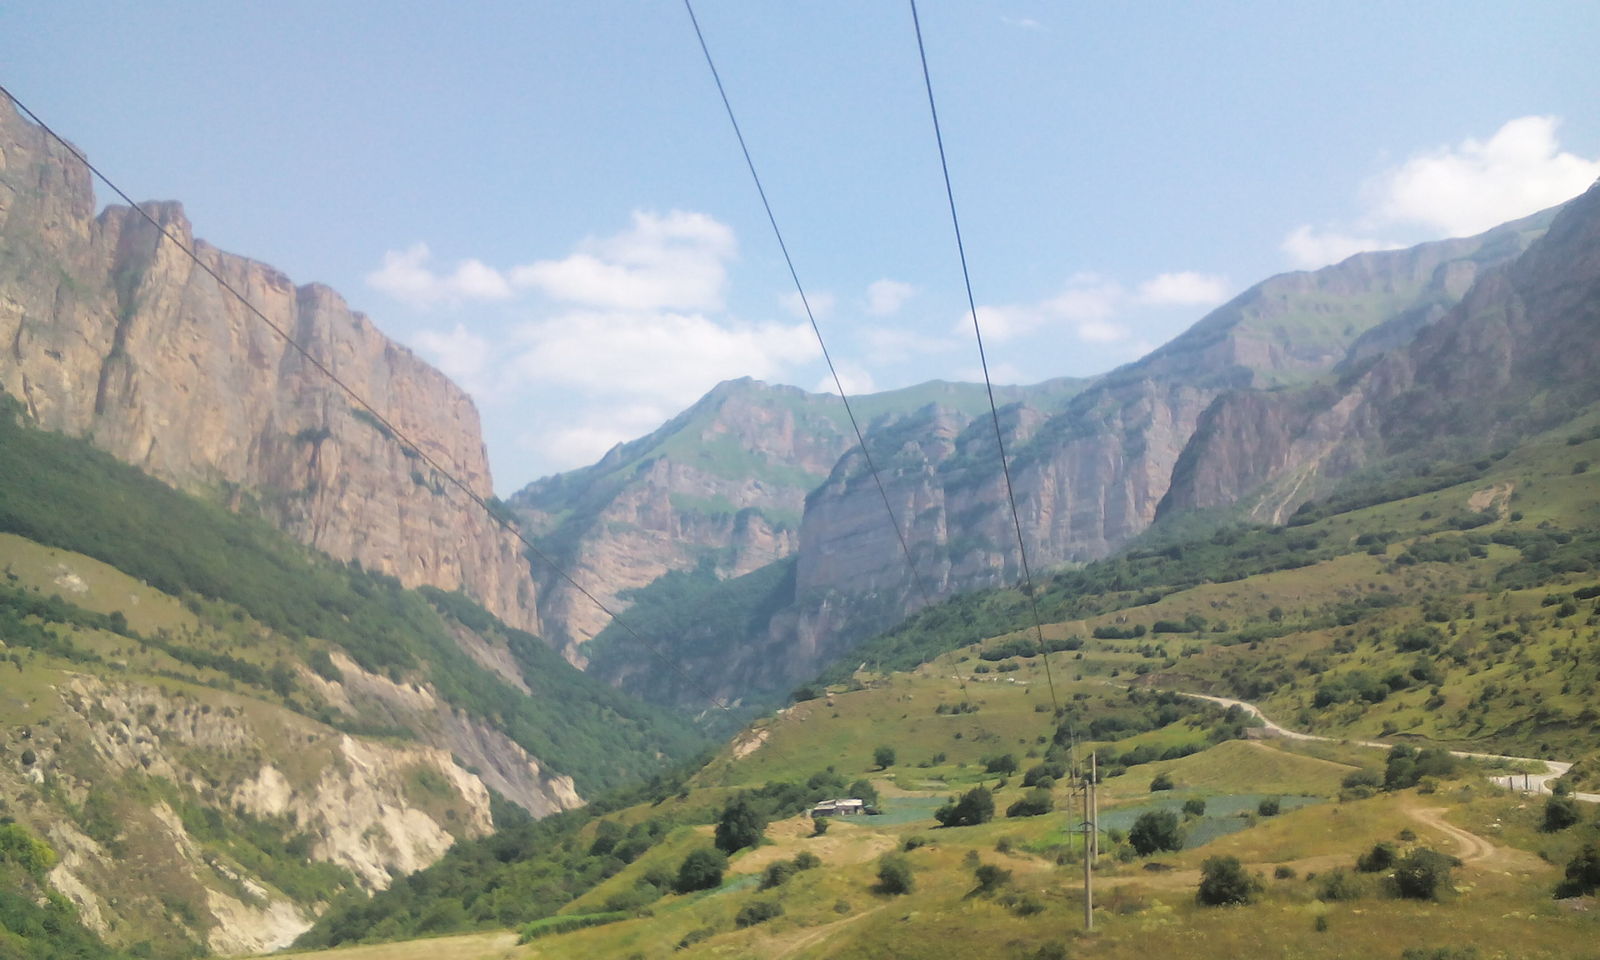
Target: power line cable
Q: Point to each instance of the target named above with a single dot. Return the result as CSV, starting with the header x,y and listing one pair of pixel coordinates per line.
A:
x,y
369,408
977,329
806,303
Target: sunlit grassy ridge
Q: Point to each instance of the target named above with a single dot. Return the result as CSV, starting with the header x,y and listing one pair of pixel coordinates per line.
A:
x,y
1434,585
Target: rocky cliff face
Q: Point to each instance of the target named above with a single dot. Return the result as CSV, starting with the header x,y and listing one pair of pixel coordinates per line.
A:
x,y
1092,476
110,332
721,486
1517,353
1091,470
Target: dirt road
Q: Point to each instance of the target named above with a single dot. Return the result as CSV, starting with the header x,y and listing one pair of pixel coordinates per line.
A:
x,y
1530,783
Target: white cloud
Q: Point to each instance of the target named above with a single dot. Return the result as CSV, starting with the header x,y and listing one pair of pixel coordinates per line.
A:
x,y
891,344
1085,307
856,381
667,358
1455,191
566,444
462,355
1476,185
1310,248
672,262
885,297
1184,288
822,303
406,276
675,261
1100,331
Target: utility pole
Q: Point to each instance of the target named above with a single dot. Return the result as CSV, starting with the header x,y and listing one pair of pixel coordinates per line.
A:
x,y
1088,856
1094,801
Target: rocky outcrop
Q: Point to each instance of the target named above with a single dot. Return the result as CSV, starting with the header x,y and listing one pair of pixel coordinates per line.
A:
x,y
723,483
1249,383
160,759
110,332
1517,354
722,486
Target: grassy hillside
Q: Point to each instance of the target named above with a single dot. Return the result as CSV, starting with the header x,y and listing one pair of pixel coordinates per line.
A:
x,y
1446,605
60,492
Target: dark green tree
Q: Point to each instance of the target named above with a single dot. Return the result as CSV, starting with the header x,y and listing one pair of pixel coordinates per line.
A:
x,y
883,757
1559,814
1421,875
975,806
741,825
1223,880
1583,873
894,874
701,870
1155,830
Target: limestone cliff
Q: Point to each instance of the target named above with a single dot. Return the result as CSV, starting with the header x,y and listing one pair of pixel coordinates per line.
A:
x,y
110,332
721,486
1516,354
1091,470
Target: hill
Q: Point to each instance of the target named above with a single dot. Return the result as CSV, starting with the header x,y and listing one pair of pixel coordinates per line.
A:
x,y
217,730
1449,609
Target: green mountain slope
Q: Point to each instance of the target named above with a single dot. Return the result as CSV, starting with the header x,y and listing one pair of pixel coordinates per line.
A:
x,y
1452,607
218,731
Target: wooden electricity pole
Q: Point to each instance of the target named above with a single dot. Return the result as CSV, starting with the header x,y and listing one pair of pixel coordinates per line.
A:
x,y
1089,843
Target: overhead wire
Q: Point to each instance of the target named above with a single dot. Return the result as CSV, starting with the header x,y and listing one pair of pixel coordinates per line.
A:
x,y
405,441
805,303
977,329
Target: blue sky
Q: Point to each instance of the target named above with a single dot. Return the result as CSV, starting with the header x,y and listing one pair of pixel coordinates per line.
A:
x,y
545,198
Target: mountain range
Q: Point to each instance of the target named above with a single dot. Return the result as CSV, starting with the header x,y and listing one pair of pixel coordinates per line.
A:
x,y
267,658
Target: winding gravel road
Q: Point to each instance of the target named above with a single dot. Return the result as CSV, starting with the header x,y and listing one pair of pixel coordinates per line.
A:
x,y
1528,782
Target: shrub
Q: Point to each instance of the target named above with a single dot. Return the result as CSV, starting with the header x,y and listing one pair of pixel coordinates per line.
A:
x,y
741,825
894,874
1559,814
990,877
1269,807
1156,830
1003,764
806,860
1223,880
701,870
1363,778
1338,885
565,924
1162,781
695,936
975,806
1583,873
1026,906
757,911
1421,875
777,874
1037,801
819,826
1043,771
1283,872
1380,858
1194,807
